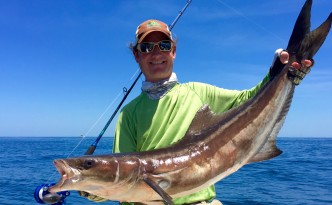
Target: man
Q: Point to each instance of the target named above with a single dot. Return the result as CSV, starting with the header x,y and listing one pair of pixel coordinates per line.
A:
x,y
162,113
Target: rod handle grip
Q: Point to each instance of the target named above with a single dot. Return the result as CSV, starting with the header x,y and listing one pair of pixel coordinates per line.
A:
x,y
91,150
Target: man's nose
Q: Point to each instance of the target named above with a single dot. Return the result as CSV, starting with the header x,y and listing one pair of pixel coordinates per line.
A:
x,y
156,49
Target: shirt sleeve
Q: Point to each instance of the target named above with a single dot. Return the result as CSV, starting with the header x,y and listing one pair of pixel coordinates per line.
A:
x,y
245,95
221,100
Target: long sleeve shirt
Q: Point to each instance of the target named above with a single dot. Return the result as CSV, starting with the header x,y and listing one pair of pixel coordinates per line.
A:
x,y
145,124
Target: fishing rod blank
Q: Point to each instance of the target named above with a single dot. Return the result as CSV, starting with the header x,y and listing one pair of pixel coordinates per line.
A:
x,y
93,146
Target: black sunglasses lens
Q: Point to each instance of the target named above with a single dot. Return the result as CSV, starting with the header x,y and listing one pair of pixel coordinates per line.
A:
x,y
165,45
146,47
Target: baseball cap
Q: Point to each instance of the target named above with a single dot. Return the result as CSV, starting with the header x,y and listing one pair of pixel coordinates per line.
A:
x,y
150,26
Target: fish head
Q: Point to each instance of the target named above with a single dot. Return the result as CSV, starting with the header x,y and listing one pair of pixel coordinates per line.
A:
x,y
87,173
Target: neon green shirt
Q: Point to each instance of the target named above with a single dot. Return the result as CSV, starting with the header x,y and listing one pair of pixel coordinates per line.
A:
x,y
146,124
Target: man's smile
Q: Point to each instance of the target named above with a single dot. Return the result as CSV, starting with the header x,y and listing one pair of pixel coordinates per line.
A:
x,y
157,62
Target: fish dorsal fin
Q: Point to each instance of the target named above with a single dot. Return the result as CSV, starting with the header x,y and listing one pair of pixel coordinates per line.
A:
x,y
203,118
204,122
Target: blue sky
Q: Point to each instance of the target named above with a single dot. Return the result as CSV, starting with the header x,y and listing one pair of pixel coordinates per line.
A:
x,y
64,63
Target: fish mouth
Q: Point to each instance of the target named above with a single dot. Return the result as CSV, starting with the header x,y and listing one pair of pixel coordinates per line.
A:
x,y
67,176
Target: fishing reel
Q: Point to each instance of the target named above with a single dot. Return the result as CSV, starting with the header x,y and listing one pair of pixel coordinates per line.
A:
x,y
43,196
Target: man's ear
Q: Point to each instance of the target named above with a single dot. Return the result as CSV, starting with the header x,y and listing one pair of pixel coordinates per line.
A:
x,y
174,52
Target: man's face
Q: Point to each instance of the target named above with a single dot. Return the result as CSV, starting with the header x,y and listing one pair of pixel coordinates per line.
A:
x,y
156,65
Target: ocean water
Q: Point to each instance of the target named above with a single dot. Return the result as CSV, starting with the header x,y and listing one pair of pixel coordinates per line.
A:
x,y
301,175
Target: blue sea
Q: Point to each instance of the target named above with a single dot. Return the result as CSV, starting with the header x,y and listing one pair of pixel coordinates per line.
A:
x,y
301,175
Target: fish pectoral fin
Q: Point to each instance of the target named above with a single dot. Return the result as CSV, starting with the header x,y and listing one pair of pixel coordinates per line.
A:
x,y
148,179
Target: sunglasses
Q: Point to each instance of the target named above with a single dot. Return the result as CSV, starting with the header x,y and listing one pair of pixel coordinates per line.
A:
x,y
148,47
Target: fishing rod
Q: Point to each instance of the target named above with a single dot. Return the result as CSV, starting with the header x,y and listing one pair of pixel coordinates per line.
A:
x,y
93,146
41,194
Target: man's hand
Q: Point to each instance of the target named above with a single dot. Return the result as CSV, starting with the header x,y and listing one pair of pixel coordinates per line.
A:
x,y
297,71
281,58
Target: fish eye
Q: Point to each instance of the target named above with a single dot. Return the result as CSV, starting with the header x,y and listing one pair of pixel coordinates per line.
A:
x,y
88,164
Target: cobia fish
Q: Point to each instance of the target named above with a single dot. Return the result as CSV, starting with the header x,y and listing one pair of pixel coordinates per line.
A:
x,y
215,146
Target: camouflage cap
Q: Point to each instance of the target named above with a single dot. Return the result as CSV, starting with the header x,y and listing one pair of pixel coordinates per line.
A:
x,y
150,26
